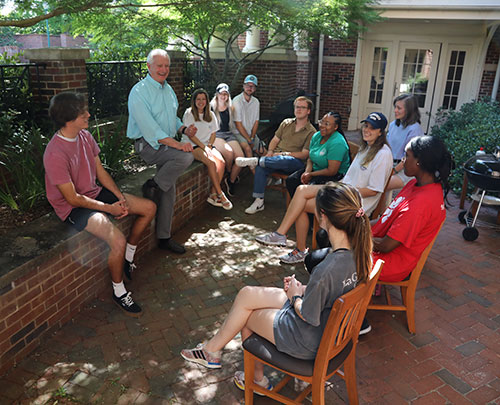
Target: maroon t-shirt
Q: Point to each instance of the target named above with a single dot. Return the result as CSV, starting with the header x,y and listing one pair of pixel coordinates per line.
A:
x,y
68,160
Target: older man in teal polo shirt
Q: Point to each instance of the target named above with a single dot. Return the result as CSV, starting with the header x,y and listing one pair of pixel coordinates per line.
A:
x,y
153,124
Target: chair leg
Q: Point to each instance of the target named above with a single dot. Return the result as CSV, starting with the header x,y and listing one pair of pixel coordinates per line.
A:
x,y
318,392
350,378
410,310
249,367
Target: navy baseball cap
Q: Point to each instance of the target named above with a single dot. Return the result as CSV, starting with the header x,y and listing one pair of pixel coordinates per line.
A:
x,y
377,120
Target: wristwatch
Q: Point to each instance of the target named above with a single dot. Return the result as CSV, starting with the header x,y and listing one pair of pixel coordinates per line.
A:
x,y
294,298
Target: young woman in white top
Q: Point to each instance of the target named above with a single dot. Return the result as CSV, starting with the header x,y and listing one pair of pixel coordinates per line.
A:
x,y
368,172
204,120
225,140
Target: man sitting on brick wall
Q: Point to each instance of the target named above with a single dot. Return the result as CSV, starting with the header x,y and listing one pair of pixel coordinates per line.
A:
x,y
72,166
153,124
246,117
288,150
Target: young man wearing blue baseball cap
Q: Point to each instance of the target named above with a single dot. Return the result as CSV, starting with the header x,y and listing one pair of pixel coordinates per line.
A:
x,y
246,115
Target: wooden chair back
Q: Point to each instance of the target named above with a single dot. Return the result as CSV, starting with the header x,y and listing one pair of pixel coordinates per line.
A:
x,y
408,289
353,149
339,337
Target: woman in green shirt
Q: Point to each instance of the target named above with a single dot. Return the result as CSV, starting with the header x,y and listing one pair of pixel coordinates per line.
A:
x,y
328,155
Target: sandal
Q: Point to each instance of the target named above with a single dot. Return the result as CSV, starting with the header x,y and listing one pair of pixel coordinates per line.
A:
x,y
214,200
200,356
239,381
224,201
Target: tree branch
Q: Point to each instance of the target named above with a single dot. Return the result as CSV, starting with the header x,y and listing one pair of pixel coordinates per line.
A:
x,y
29,22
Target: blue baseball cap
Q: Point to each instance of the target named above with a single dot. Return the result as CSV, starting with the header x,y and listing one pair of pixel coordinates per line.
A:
x,y
377,120
250,79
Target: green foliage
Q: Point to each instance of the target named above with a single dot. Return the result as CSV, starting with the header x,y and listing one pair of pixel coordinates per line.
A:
x,y
194,25
22,175
116,148
475,125
21,163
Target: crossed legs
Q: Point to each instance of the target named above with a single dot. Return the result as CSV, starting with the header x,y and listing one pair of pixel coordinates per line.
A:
x,y
302,204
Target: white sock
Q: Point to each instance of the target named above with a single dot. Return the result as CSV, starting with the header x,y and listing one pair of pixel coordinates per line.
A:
x,y
119,289
130,252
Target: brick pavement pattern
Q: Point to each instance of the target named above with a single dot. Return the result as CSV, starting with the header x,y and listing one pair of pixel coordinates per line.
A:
x,y
105,357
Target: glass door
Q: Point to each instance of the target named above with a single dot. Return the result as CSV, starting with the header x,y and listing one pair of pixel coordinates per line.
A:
x,y
416,74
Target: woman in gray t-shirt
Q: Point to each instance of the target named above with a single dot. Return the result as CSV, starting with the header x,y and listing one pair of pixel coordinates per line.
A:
x,y
294,317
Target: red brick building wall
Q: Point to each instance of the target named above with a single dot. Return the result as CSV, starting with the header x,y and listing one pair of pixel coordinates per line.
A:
x,y
492,58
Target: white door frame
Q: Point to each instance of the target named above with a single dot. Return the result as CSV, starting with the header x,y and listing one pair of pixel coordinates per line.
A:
x,y
450,36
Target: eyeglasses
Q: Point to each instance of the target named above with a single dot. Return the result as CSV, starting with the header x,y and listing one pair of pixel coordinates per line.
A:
x,y
325,123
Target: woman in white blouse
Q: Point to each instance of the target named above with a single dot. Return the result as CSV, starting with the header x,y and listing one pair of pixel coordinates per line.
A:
x,y
204,120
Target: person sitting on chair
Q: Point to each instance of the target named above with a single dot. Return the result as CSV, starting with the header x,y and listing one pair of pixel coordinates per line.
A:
x,y
288,150
329,155
368,173
294,317
414,217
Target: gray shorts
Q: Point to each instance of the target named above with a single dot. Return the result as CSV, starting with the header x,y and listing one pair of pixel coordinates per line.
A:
x,y
226,136
258,145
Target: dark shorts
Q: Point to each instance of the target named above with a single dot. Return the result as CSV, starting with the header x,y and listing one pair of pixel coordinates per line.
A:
x,y
79,217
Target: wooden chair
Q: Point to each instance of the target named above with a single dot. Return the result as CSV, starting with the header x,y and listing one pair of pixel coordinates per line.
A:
x,y
408,287
281,186
337,347
354,148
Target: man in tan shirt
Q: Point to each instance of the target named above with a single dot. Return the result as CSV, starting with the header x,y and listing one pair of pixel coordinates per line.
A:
x,y
288,151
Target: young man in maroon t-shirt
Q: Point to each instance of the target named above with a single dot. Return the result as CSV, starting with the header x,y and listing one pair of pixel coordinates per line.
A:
x,y
72,166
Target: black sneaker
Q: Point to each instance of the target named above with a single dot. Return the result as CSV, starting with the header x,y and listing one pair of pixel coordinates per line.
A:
x,y
150,189
365,328
128,269
127,304
230,186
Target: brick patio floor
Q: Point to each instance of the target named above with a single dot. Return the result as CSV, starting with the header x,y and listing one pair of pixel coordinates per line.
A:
x,y
105,357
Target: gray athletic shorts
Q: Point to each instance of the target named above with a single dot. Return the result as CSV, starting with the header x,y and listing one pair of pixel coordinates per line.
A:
x,y
226,136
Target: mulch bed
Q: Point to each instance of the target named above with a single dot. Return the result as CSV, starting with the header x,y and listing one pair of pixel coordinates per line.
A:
x,y
11,219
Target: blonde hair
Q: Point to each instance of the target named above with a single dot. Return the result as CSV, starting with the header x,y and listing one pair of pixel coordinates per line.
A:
x,y
342,205
215,106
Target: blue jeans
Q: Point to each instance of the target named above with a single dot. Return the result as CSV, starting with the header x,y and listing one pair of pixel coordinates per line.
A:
x,y
268,165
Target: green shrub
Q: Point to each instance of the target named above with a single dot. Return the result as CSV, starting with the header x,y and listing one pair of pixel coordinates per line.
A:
x,y
116,148
475,125
21,161
22,175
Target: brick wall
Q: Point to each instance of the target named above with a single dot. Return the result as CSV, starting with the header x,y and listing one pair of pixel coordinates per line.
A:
x,y
336,89
58,76
488,78
53,287
277,81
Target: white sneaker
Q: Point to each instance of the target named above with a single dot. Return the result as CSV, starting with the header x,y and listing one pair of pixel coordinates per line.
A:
x,y
244,162
257,205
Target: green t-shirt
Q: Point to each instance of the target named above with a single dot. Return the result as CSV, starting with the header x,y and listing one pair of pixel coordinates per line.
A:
x,y
335,148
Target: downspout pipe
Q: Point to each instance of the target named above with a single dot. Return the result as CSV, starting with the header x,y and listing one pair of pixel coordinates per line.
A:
x,y
321,49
